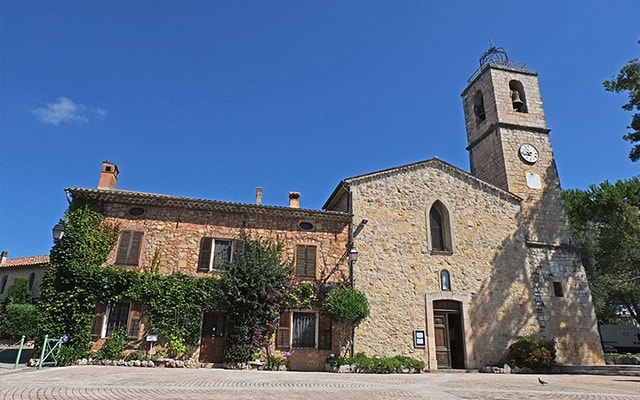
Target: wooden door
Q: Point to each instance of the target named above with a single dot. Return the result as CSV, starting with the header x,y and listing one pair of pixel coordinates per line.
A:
x,y
213,339
441,330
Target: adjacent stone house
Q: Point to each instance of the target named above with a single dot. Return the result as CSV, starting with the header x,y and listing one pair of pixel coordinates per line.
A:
x,y
31,268
456,265
196,237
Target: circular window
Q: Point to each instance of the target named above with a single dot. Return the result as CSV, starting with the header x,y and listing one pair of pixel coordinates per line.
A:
x,y
306,225
136,211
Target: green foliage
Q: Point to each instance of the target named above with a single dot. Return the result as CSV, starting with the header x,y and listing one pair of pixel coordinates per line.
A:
x,y
114,346
628,80
69,355
537,354
176,346
274,362
68,295
18,292
346,305
18,320
378,365
254,286
137,355
189,296
301,296
605,220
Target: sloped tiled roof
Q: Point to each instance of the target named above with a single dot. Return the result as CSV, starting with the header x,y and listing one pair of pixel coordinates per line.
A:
x,y
162,200
26,261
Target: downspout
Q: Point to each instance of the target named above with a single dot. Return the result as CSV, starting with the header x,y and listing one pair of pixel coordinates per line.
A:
x,y
350,245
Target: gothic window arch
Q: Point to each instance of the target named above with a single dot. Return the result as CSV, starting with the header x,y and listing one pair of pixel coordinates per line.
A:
x,y
518,96
439,231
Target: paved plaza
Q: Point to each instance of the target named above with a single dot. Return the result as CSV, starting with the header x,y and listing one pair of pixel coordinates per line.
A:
x,y
97,382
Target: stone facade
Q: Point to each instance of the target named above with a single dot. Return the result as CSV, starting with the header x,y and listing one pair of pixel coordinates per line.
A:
x,y
31,268
172,229
510,267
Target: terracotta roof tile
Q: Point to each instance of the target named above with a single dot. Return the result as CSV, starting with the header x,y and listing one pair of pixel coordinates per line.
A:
x,y
25,261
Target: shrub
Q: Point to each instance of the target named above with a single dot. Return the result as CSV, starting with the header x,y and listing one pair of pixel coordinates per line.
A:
x,y
136,355
537,354
378,365
347,305
114,346
273,362
176,346
18,320
68,355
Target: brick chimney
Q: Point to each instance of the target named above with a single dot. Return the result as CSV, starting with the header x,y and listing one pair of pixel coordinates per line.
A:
x,y
3,256
259,196
294,199
108,176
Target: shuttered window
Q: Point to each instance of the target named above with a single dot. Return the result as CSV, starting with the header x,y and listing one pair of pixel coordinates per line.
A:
x,y
98,322
304,330
283,335
129,248
214,254
135,316
306,261
324,332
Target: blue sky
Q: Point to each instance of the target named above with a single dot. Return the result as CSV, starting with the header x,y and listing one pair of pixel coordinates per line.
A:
x,y
212,99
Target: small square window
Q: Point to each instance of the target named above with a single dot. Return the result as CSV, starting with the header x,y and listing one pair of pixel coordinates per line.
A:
x,y
557,289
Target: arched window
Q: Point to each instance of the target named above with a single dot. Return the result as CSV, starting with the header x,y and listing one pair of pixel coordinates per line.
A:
x,y
518,97
445,280
437,234
3,283
478,107
440,228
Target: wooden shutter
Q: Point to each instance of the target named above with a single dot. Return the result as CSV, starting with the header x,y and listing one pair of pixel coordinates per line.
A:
x,y
129,248
125,238
324,332
205,254
238,249
98,322
135,315
306,261
283,335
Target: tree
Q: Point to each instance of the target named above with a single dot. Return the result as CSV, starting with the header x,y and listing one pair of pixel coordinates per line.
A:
x,y
18,292
606,223
628,79
255,286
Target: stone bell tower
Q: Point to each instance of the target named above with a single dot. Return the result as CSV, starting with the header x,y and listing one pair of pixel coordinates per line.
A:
x,y
509,147
509,143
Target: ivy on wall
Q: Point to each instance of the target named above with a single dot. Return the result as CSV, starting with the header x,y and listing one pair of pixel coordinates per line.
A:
x,y
68,291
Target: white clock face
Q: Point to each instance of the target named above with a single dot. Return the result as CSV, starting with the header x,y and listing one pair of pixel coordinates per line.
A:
x,y
529,153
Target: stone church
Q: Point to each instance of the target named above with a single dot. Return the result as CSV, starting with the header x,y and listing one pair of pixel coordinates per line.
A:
x,y
456,265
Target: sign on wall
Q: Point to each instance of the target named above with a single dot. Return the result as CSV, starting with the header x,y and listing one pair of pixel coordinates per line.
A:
x,y
419,339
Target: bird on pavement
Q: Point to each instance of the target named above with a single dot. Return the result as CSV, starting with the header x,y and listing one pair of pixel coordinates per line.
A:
x,y
542,382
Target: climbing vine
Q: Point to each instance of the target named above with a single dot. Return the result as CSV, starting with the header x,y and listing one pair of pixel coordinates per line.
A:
x,y
68,291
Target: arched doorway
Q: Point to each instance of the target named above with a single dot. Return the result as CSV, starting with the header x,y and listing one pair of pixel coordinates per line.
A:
x,y
449,337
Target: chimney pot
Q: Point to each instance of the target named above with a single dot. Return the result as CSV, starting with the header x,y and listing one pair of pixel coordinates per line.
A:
x,y
3,256
108,176
294,199
259,196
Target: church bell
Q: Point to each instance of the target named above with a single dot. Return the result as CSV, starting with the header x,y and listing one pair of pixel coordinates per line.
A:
x,y
515,100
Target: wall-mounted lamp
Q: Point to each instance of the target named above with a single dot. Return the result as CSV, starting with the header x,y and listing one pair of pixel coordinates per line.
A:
x,y
58,230
353,254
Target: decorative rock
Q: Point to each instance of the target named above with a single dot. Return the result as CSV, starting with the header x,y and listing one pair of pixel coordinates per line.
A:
x,y
506,369
137,363
179,364
150,364
144,363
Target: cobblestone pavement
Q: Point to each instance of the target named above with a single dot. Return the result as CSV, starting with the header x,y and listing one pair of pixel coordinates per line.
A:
x,y
96,382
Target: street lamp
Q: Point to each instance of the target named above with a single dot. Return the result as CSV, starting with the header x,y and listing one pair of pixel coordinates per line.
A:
x,y
353,254
58,231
